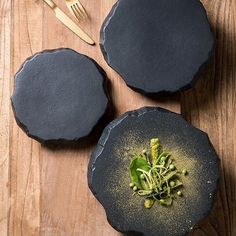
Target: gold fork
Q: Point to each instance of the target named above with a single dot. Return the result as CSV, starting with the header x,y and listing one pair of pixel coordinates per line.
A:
x,y
77,9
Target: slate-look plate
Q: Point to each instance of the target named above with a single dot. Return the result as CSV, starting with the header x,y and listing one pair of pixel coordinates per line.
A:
x,y
59,95
157,46
108,172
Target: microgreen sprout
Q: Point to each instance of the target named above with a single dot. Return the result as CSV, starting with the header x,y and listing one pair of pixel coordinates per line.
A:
x,y
154,176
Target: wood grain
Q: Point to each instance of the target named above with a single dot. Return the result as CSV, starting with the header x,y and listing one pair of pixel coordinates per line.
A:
x,y
43,190
25,159
5,26
211,106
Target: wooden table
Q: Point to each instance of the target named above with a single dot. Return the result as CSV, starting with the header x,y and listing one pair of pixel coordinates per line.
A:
x,y
43,191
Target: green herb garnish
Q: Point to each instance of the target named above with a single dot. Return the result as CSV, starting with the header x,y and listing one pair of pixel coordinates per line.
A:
x,y
154,176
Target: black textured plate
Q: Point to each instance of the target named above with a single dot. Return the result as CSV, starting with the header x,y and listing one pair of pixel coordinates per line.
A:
x,y
157,46
59,95
108,172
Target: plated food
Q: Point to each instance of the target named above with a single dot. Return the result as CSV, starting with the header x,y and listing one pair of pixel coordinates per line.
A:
x,y
157,46
59,96
139,160
155,177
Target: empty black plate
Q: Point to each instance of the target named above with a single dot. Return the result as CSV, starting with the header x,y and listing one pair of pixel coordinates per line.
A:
x,y
59,95
157,46
108,172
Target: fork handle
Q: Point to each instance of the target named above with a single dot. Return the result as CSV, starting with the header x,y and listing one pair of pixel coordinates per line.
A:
x,y
50,3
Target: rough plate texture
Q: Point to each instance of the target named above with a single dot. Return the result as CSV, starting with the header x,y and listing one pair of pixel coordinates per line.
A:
x,y
157,46
59,95
108,174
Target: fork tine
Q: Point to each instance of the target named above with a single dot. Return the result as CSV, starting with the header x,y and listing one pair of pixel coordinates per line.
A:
x,y
76,13
81,12
82,8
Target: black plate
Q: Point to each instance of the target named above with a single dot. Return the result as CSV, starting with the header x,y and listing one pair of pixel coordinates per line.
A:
x,y
59,96
157,46
108,172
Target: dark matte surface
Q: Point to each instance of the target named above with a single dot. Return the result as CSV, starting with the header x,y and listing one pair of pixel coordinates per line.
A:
x,y
157,46
59,96
108,174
